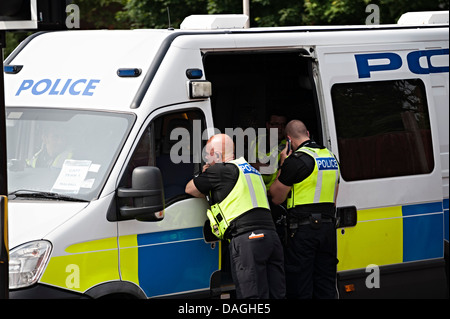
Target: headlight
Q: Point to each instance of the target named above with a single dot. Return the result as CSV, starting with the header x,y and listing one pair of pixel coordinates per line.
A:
x,y
27,263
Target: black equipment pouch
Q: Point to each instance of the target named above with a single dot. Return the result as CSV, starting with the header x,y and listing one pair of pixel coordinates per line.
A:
x,y
315,221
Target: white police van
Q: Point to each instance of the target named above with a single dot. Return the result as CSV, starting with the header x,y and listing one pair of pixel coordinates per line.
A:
x,y
97,206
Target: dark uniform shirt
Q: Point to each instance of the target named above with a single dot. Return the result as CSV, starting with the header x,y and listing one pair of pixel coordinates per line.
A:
x,y
217,182
296,168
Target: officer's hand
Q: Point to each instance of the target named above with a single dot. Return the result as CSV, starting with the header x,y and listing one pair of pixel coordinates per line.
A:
x,y
284,154
205,167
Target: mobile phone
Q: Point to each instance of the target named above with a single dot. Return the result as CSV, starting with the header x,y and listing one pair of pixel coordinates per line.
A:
x,y
288,146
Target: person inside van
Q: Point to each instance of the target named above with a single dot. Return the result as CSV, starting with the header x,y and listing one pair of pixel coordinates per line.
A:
x,y
54,150
269,168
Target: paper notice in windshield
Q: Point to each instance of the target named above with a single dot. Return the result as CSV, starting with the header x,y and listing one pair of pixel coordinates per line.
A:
x,y
72,175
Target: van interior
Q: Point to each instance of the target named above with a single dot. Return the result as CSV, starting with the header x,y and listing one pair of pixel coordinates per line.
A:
x,y
248,87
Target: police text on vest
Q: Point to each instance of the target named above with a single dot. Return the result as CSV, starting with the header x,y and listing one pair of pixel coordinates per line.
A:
x,y
327,163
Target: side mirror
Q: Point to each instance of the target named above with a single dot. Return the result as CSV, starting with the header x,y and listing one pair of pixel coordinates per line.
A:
x,y
146,194
346,216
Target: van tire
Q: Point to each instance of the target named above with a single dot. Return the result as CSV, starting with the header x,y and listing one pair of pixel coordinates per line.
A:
x,y
116,290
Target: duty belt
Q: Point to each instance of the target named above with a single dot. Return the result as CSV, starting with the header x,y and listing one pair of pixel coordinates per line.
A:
x,y
315,220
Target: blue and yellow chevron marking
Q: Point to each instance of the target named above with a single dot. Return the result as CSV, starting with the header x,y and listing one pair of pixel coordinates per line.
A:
x,y
87,264
174,261
393,235
161,263
168,262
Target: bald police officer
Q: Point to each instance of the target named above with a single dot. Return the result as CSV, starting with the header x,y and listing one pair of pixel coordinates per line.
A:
x,y
240,213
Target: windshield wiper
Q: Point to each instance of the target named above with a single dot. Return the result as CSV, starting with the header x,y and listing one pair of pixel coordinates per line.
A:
x,y
46,195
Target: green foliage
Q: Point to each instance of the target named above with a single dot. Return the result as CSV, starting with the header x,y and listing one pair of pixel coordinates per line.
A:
x,y
13,40
126,14
154,13
100,14
269,13
344,12
325,12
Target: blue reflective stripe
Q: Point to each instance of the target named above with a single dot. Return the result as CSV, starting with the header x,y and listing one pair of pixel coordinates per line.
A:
x,y
419,209
446,220
423,231
175,261
167,237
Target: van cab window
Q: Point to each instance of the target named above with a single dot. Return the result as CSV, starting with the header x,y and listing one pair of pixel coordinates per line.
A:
x,y
168,143
59,152
383,129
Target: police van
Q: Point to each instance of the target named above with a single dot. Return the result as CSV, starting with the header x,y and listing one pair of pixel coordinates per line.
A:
x,y
97,207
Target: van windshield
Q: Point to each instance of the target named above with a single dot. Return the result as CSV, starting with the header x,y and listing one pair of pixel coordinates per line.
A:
x,y
65,154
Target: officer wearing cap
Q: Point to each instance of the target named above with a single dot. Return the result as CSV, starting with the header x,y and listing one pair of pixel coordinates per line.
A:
x,y
308,180
240,213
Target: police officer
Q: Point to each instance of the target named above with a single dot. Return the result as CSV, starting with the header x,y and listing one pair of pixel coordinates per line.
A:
x,y
276,143
54,149
240,213
308,179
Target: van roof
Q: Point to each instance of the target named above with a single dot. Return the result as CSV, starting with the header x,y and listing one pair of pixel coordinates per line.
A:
x,y
65,68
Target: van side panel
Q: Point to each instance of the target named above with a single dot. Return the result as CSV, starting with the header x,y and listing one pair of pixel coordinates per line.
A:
x,y
85,250
385,236
168,262
402,219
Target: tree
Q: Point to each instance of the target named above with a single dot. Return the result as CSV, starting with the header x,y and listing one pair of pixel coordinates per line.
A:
x,y
264,13
270,13
344,12
154,14
126,14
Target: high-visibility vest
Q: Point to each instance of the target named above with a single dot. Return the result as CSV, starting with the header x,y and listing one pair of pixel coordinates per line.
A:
x,y
57,162
320,185
248,193
270,172
270,178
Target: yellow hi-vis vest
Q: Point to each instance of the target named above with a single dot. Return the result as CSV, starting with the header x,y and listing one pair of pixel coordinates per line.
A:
x,y
270,178
270,173
248,193
320,186
57,162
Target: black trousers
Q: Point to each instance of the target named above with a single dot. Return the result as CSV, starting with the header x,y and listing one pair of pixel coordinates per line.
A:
x,y
257,265
311,263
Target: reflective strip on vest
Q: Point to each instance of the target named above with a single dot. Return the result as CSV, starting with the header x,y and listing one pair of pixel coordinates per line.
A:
x,y
320,186
248,193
